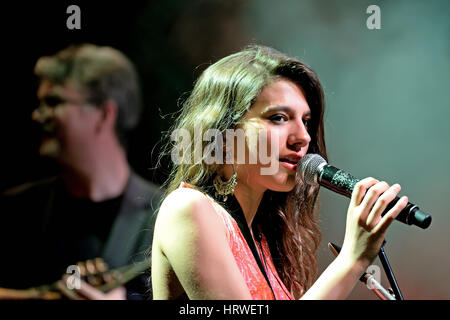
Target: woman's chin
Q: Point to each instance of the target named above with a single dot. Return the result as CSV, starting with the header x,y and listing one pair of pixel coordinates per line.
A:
x,y
283,184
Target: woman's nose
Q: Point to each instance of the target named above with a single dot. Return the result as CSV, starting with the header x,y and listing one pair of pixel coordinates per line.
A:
x,y
299,137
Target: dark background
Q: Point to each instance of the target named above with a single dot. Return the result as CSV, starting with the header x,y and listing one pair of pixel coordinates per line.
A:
x,y
170,42
138,28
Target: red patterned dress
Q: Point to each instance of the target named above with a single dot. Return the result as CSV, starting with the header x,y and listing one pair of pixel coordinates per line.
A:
x,y
255,280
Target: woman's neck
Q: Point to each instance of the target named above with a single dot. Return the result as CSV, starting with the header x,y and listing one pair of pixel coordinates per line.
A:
x,y
248,196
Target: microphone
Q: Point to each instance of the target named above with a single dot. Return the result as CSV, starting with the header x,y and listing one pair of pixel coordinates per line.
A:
x,y
313,170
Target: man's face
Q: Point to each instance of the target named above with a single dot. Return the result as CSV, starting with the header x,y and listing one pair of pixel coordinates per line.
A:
x,y
68,122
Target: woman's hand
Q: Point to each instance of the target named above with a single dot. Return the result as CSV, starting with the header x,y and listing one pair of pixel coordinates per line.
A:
x,y
366,228
364,235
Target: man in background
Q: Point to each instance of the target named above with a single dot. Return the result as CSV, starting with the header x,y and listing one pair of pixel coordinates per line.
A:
x,y
98,207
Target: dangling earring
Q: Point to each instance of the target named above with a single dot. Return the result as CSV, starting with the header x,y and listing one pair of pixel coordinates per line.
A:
x,y
224,188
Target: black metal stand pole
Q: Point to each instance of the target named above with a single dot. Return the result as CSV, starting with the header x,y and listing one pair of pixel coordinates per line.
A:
x,y
389,273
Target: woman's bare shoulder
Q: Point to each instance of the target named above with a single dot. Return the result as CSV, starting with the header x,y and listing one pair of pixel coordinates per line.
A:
x,y
192,238
184,201
185,207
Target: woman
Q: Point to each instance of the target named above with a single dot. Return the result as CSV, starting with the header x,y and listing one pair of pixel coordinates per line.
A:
x,y
226,230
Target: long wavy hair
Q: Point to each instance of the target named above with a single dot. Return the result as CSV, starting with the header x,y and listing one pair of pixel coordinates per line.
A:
x,y
223,93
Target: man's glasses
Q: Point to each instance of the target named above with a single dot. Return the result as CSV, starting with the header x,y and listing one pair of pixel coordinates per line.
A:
x,y
53,101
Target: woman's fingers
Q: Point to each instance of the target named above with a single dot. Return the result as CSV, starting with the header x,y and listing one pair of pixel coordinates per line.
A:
x,y
366,228
371,197
381,204
390,216
360,190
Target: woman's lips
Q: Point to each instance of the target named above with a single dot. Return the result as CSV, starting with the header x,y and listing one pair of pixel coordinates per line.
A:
x,y
288,164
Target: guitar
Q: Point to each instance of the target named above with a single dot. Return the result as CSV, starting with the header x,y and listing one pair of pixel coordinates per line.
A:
x,y
95,272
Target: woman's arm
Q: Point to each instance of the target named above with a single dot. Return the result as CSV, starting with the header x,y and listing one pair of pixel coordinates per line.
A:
x,y
364,235
192,236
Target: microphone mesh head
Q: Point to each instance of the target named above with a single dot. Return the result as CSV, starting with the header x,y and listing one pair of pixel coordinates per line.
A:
x,y
308,167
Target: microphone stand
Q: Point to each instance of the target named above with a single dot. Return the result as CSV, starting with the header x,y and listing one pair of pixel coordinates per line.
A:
x,y
389,273
370,280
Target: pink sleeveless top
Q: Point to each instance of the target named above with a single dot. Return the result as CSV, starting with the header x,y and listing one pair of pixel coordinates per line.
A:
x,y
255,280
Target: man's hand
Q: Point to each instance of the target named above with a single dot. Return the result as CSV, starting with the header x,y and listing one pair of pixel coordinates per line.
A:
x,y
88,292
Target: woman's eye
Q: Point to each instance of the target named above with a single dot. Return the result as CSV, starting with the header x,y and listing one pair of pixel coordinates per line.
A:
x,y
278,118
306,122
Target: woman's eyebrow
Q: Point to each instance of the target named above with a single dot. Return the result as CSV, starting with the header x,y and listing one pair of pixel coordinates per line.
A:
x,y
284,109
277,108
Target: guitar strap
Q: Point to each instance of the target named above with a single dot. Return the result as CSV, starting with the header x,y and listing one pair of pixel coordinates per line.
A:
x,y
128,228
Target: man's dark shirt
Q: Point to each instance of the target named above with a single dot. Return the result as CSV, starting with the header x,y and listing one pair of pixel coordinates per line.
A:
x,y
44,230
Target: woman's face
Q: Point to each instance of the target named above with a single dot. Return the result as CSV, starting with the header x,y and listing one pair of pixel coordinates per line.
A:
x,y
282,113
